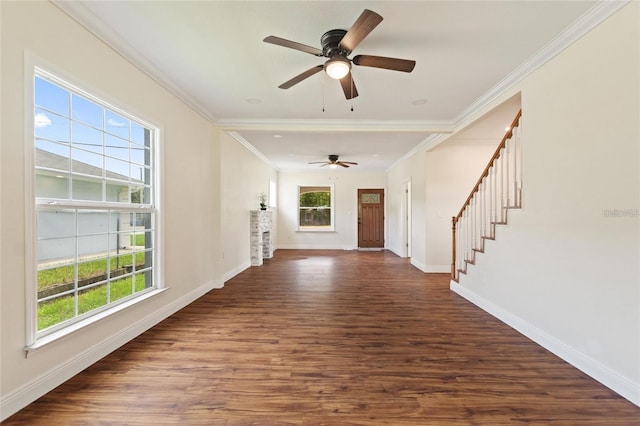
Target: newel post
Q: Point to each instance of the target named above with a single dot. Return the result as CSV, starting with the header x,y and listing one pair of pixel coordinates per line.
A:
x,y
453,248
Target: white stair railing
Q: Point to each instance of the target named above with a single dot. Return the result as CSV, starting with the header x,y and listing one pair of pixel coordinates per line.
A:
x,y
498,190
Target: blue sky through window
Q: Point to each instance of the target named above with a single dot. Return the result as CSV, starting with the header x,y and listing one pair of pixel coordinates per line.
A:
x,y
71,126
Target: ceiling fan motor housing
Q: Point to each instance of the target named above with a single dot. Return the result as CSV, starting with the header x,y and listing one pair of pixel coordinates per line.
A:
x,y
330,41
333,158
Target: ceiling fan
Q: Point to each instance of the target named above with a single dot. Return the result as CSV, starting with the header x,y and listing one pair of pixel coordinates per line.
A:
x,y
334,162
337,45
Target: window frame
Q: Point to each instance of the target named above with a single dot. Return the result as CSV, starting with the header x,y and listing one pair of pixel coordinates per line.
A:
x,y
33,205
332,226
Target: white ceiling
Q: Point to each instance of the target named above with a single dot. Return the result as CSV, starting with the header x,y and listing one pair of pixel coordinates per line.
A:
x,y
211,55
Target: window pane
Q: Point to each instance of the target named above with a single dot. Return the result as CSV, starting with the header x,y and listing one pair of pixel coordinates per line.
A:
x,y
117,169
52,185
92,272
93,222
117,148
52,155
143,222
140,155
92,298
137,173
55,280
59,249
86,111
315,217
117,192
141,195
117,124
143,280
55,311
51,126
122,287
315,198
93,245
86,189
138,134
122,264
86,163
51,97
87,138
56,224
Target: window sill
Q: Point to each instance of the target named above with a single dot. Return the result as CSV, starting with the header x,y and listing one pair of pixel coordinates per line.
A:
x,y
50,338
319,229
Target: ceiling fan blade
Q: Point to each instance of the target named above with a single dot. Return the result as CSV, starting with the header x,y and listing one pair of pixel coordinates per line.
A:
x,y
318,162
349,86
394,64
293,45
365,23
340,163
349,162
298,78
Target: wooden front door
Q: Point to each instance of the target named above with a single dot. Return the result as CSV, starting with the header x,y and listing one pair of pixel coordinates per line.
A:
x,y
371,218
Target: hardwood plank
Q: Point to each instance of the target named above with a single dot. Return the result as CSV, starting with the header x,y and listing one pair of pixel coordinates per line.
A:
x,y
331,337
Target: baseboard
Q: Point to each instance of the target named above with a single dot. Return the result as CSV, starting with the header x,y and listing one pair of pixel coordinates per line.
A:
x,y
23,396
438,269
314,247
419,265
396,252
235,271
621,385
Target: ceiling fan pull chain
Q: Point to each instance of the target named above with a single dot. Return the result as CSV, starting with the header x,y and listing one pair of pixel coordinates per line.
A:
x,y
351,78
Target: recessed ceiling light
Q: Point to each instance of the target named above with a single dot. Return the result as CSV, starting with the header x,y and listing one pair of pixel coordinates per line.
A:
x,y
254,101
419,101
277,136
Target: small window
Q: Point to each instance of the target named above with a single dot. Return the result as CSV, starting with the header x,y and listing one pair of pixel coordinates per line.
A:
x,y
273,196
315,208
96,214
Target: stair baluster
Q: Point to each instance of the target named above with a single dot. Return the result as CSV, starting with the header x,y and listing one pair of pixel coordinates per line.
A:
x,y
498,189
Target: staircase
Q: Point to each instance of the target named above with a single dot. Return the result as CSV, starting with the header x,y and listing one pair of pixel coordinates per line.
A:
x,y
498,190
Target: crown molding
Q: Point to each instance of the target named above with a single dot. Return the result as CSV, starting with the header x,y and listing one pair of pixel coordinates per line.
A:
x,y
415,126
428,143
253,149
587,22
92,23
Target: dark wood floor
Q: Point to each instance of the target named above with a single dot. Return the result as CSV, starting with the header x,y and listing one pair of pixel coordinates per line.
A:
x,y
336,338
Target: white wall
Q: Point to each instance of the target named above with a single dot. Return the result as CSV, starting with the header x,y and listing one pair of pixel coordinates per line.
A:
x,y
410,170
243,177
346,184
452,170
562,271
190,186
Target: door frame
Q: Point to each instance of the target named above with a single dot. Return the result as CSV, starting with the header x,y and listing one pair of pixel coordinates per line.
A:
x,y
406,218
384,217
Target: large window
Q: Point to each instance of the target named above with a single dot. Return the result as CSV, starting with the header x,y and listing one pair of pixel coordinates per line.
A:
x,y
315,208
95,206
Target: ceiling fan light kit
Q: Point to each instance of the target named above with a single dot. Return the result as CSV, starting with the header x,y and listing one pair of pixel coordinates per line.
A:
x,y
337,45
337,67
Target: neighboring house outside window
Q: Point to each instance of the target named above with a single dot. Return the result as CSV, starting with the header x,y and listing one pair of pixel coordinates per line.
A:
x,y
315,208
95,206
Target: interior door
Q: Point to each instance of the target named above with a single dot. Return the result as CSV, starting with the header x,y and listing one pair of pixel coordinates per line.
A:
x,y
371,218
